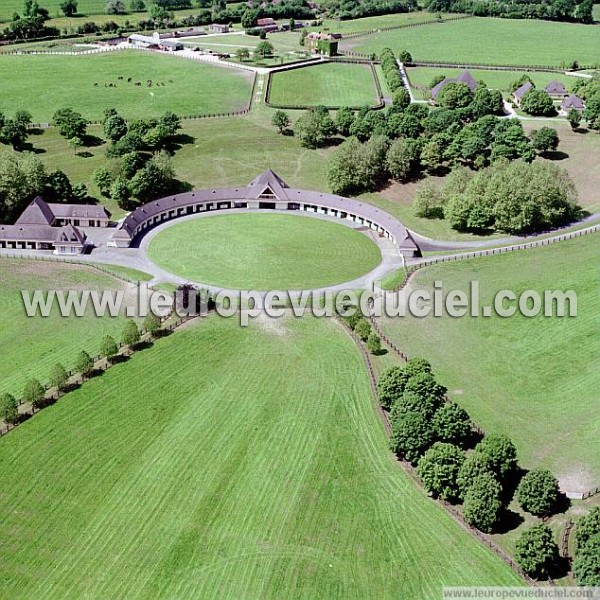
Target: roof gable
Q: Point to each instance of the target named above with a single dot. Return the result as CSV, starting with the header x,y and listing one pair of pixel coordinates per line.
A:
x,y
37,213
268,184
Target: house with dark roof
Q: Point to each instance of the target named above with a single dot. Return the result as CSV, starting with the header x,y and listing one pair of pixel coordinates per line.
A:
x,y
556,90
465,77
267,24
268,191
521,91
44,226
572,102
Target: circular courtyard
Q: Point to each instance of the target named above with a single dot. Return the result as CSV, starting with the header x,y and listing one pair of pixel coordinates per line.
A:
x,y
264,251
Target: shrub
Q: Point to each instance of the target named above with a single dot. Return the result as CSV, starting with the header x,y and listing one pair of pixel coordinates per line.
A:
x,y
363,329
374,343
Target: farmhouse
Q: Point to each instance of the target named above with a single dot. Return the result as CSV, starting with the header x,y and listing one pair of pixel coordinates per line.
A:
x,y
44,226
218,28
269,192
157,40
465,77
572,102
556,89
322,43
267,24
521,91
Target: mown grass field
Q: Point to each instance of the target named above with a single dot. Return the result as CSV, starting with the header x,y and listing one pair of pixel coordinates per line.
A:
x,y
369,23
89,7
420,78
31,346
534,379
229,462
264,251
189,88
492,41
330,84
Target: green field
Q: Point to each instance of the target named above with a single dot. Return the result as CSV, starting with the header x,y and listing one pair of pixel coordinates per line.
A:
x,y
330,84
264,251
225,462
189,88
492,41
420,78
89,7
535,379
369,23
36,344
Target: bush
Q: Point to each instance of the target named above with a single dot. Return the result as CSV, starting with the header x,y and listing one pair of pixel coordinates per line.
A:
x,y
537,552
482,502
439,467
374,343
538,492
363,329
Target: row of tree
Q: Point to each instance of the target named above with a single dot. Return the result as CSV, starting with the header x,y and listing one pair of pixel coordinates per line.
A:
x,y
507,197
589,90
364,331
34,392
437,435
354,9
553,10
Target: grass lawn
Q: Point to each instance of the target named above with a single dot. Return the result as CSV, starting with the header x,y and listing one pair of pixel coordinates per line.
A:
x,y
36,344
534,379
225,462
421,77
369,23
329,84
190,88
90,7
264,251
492,41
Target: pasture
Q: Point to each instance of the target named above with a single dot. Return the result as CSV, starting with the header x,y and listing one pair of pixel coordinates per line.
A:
x,y
421,77
264,251
329,84
370,23
491,41
85,7
80,82
36,344
534,379
229,462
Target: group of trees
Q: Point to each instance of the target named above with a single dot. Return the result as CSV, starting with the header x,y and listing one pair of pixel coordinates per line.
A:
x,y
141,168
30,24
437,435
23,177
15,131
71,125
512,197
588,90
353,9
553,10
586,565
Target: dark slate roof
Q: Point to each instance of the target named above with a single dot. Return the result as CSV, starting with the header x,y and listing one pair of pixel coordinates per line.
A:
x,y
37,213
572,101
42,233
556,87
254,190
520,92
79,211
465,77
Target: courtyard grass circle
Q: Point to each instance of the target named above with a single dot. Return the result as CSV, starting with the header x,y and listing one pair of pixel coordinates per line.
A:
x,y
264,251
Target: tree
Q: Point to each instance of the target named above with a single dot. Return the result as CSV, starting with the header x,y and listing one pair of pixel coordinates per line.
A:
x,y
249,18
411,435
264,49
9,410
538,103
15,133
487,102
432,156
137,6
120,193
108,348
423,384
455,95
405,57
438,468
538,492
344,118
70,124
401,159
58,377
427,203
363,329
280,120
242,54
482,504
152,324
500,452
451,423
103,180
75,143
115,127
585,11
374,343
574,118
131,333
115,7
312,129
69,7
84,364
392,383
155,179
34,393
475,465
544,139
536,551
400,99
